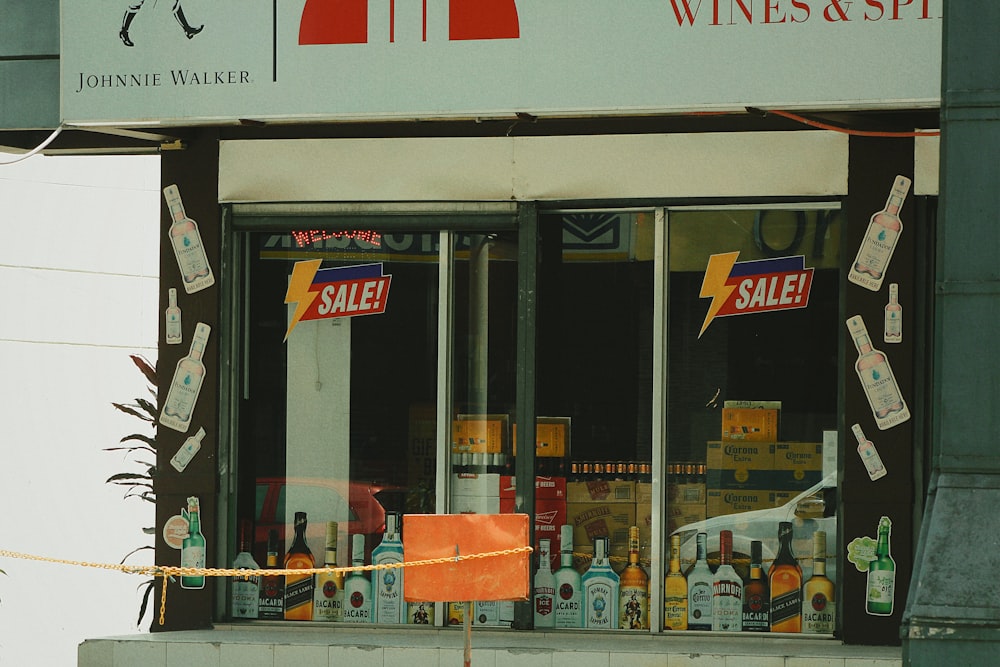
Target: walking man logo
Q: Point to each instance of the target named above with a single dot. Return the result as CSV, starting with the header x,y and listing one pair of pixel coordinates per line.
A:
x,y
133,9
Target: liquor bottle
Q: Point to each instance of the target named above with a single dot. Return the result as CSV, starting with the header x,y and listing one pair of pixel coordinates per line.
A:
x,y
174,332
388,582
196,273
884,228
328,596
818,607
193,546
357,586
893,331
882,574
877,379
272,586
633,589
699,581
245,592
186,383
784,580
756,600
675,594
869,455
545,588
727,589
187,451
568,585
600,590
299,587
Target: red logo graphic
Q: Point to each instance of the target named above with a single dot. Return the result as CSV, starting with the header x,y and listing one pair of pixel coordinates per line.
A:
x,y
346,21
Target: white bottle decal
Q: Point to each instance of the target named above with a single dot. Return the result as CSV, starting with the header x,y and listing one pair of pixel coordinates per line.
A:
x,y
869,455
174,331
884,227
187,451
189,250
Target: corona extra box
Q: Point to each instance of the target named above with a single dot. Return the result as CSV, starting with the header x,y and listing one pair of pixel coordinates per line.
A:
x,y
734,501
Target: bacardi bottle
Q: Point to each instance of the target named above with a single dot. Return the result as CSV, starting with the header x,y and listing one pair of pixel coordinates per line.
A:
x,y
193,546
328,596
784,580
299,587
877,379
818,607
699,581
272,586
187,451
675,594
893,330
357,586
389,604
545,588
884,228
727,589
633,589
174,332
756,599
869,455
882,574
186,383
600,589
245,596
196,273
569,589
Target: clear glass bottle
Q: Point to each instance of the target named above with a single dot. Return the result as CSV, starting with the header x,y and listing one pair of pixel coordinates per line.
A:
x,y
882,574
328,595
174,332
272,586
186,383
545,588
877,378
727,589
675,596
193,546
818,607
600,590
699,581
388,582
245,591
756,599
185,239
299,587
869,455
893,330
633,589
569,589
784,580
879,242
357,586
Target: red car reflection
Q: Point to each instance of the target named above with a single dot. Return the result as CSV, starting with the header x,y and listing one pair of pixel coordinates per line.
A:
x,y
322,500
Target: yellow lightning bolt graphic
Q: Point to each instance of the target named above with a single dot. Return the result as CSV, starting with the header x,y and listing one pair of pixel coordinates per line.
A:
x,y
298,290
714,284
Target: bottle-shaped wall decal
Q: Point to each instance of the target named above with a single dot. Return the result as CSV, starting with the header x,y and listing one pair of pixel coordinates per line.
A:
x,y
893,330
727,589
328,595
272,586
193,546
544,588
245,591
388,582
600,590
174,332
756,599
784,580
675,590
869,455
877,378
569,589
882,574
357,586
633,589
699,581
186,383
196,273
879,242
191,446
818,606
299,587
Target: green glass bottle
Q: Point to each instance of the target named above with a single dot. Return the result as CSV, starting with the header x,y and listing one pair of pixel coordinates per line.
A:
x,y
882,574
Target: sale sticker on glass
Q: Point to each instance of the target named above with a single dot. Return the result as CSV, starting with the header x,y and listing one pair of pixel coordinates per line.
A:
x,y
344,291
757,286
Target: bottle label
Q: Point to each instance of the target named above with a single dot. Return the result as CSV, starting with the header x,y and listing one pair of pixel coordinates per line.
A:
x,y
357,607
246,597
881,591
191,259
328,598
893,332
298,593
388,588
633,608
173,332
873,256
601,601
272,598
883,395
569,607
818,614
786,606
700,605
545,603
193,556
727,606
675,612
420,613
181,397
873,462
756,613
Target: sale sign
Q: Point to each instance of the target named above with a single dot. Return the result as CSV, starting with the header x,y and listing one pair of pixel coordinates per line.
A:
x,y
758,286
344,291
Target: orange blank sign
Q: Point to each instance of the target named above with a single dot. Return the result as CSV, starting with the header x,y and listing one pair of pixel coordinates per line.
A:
x,y
501,577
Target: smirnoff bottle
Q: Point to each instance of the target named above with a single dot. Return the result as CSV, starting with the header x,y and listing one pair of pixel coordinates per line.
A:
x,y
545,588
893,330
328,595
569,589
299,587
869,455
389,604
877,379
633,589
357,587
245,597
884,228
699,581
193,546
600,587
186,384
196,273
191,446
727,589
271,604
174,333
